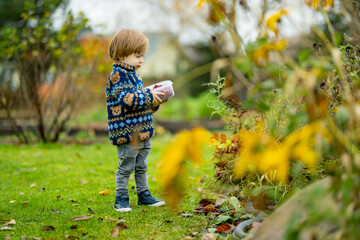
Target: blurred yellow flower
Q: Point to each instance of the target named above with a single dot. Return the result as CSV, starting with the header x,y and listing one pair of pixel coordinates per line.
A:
x,y
185,145
275,162
202,2
318,4
271,22
261,55
261,153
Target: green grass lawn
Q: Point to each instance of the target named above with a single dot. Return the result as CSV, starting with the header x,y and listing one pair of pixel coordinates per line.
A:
x,y
47,185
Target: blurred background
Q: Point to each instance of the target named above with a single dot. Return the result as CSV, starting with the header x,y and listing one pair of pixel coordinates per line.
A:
x,y
54,62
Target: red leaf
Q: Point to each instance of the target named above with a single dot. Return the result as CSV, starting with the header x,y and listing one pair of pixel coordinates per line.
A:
x,y
223,137
225,228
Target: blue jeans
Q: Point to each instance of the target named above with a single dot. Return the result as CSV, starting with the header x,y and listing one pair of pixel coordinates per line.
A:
x,y
133,159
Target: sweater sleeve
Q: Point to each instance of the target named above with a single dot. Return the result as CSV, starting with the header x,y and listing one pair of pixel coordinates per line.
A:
x,y
121,91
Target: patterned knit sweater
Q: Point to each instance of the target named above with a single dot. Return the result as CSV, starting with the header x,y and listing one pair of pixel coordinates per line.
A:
x,y
129,106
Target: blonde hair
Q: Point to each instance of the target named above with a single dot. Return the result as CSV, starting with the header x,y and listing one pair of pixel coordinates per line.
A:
x,y
126,42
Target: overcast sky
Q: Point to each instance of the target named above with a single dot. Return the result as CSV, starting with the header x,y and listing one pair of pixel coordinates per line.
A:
x,y
108,16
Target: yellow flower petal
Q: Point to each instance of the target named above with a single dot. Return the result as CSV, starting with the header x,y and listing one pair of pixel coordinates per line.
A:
x,y
271,22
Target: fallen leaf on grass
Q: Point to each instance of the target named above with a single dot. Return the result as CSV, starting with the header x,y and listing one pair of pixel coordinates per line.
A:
x,y
81,218
48,228
210,209
187,214
106,192
90,210
21,193
168,221
73,227
205,202
188,238
115,231
209,236
55,211
12,201
12,222
32,185
220,199
6,228
111,220
83,182
24,203
28,237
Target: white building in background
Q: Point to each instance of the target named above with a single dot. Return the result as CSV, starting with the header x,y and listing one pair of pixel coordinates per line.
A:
x,y
165,58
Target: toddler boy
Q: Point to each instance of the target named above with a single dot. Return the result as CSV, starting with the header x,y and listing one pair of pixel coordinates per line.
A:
x,y
130,110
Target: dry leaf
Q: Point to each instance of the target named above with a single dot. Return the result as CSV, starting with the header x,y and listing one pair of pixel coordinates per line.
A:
x,y
106,192
209,236
12,222
90,210
115,231
82,218
187,215
224,228
111,220
83,182
21,193
55,211
122,226
73,227
6,228
48,228
122,221
32,185
12,201
28,237
24,203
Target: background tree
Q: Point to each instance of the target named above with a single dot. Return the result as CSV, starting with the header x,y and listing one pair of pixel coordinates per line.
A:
x,y
44,59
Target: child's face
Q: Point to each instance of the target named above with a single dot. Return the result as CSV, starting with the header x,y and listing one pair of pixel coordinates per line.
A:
x,y
134,60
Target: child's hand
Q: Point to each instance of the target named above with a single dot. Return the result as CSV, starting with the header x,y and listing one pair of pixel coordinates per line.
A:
x,y
157,99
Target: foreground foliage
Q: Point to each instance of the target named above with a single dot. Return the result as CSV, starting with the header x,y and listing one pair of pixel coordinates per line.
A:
x,y
294,117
